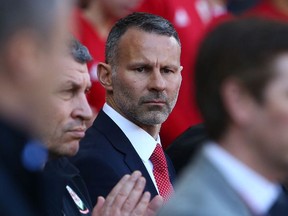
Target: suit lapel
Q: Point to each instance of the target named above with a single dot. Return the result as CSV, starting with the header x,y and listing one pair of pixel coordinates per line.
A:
x,y
216,183
120,142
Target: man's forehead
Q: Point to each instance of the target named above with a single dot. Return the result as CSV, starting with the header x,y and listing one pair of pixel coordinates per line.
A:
x,y
74,70
149,47
137,36
70,64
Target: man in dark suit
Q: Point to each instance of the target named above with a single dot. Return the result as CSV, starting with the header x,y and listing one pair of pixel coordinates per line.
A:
x,y
142,77
32,36
66,125
241,90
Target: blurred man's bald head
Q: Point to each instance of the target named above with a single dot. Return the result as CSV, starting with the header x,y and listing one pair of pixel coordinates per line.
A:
x,y
33,35
19,15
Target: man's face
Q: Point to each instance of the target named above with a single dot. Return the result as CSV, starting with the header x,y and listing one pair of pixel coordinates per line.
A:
x,y
69,109
147,77
268,126
42,68
120,8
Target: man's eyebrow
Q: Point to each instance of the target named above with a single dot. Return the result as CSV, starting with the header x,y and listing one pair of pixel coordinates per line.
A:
x,y
175,67
149,65
139,64
76,85
72,84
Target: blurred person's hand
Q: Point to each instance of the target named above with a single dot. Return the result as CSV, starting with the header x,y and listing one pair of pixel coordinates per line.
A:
x,y
127,198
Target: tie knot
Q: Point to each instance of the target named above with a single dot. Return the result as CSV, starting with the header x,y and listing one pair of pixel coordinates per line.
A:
x,y
158,158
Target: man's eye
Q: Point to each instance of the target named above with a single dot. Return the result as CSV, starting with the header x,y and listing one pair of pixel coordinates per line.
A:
x,y
140,69
166,70
67,91
67,94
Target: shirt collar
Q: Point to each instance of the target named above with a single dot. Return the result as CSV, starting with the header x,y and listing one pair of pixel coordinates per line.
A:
x,y
257,191
143,143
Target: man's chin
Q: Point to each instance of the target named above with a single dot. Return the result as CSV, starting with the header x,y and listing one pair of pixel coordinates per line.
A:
x,y
152,120
73,149
69,150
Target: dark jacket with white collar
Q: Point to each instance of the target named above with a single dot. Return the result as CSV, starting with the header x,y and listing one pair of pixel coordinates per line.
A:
x,y
106,154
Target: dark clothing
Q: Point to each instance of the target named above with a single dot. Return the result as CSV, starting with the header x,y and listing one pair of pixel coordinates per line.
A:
x,y
22,188
106,154
186,146
28,191
69,195
280,206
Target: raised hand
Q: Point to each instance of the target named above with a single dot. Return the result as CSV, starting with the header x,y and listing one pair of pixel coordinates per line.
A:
x,y
127,198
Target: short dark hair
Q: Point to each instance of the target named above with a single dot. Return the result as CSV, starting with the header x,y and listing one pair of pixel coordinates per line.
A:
x,y
244,49
143,21
26,14
79,52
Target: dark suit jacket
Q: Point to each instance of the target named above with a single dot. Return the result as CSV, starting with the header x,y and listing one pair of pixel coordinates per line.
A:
x,y
106,155
185,147
62,173
22,190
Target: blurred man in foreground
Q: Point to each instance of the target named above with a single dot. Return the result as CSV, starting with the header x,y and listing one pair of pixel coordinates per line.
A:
x,y
242,85
32,35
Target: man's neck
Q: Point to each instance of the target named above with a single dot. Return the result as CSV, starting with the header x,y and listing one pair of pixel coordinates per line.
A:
x,y
238,145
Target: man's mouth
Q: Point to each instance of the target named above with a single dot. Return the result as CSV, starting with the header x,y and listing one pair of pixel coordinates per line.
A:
x,y
78,133
155,102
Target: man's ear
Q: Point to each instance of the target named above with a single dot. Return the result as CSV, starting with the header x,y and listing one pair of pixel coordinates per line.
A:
x,y
238,102
104,73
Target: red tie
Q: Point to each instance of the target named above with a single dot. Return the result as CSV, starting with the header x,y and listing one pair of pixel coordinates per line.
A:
x,y
160,171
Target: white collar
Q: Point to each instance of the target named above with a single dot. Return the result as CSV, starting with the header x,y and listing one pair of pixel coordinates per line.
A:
x,y
143,143
257,191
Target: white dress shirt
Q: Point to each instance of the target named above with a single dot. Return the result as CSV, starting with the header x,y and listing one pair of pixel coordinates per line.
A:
x,y
143,143
256,191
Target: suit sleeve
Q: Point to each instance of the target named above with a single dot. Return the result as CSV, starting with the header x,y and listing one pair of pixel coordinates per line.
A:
x,y
99,175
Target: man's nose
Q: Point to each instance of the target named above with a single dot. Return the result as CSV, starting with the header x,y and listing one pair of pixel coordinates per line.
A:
x,y
157,82
82,109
